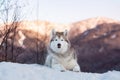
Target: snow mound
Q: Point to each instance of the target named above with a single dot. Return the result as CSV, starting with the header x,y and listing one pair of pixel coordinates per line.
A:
x,y
15,71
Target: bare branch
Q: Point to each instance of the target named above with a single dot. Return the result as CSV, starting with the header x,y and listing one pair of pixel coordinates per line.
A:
x,y
10,12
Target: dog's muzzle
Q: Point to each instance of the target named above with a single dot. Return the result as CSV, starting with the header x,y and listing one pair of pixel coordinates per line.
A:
x,y
59,45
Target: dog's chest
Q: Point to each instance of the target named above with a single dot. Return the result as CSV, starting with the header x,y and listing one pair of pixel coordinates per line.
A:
x,y
68,62
62,58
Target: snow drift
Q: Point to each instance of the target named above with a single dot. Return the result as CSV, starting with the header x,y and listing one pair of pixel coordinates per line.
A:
x,y
15,71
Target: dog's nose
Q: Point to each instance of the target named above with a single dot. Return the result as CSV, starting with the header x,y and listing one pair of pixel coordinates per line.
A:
x,y
59,45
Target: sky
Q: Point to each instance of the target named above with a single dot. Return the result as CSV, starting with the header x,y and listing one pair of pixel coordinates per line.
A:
x,y
67,11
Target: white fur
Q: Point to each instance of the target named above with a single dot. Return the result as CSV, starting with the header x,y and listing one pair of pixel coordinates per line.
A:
x,y
57,62
76,68
57,66
64,45
53,62
52,33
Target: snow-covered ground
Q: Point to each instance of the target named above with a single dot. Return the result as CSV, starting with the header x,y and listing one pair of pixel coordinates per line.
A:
x,y
15,71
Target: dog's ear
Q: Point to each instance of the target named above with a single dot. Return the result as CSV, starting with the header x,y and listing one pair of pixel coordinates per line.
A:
x,y
65,33
53,33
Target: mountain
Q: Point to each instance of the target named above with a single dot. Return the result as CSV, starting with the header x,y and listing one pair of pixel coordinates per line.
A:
x,y
98,49
81,26
42,27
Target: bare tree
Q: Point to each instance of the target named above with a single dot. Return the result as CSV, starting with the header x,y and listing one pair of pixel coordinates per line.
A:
x,y
10,11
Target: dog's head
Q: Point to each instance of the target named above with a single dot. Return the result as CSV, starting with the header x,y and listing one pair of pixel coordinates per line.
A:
x,y
59,42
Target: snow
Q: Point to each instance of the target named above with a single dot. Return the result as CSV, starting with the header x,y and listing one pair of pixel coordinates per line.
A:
x,y
16,71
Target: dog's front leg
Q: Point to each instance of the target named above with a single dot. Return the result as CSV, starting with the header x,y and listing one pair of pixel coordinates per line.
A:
x,y
57,66
76,68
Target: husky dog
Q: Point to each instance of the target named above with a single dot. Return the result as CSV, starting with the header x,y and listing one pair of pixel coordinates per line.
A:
x,y
60,54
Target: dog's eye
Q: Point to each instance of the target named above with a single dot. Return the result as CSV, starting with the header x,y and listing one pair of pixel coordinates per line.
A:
x,y
61,39
55,39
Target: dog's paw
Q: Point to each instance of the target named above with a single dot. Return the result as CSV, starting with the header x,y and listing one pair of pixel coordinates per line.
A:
x,y
59,67
62,70
76,69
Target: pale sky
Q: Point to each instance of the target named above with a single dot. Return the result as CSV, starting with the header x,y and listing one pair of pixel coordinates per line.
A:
x,y
67,11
